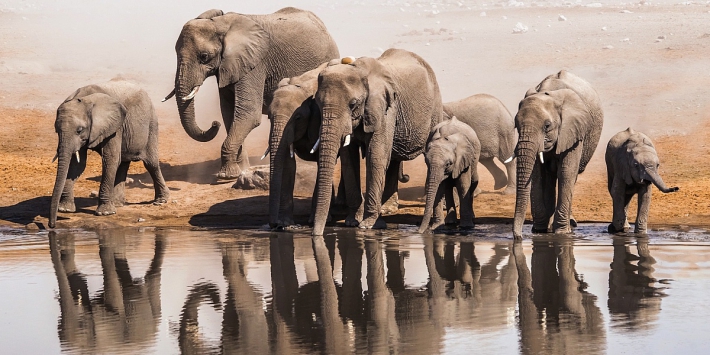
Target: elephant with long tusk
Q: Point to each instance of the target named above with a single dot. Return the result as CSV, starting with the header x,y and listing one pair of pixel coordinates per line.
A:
x,y
248,54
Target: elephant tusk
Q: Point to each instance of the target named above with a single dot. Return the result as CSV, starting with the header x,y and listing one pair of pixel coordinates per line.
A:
x,y
290,149
265,153
509,159
542,160
77,157
171,94
55,157
192,93
347,141
315,146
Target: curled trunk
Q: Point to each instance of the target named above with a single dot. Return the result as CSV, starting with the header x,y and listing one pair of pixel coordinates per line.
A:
x,y
62,171
658,181
433,185
279,153
526,154
186,109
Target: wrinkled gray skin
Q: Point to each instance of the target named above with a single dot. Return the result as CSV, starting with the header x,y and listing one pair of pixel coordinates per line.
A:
x,y
295,125
389,104
632,167
562,118
117,120
249,55
495,128
452,155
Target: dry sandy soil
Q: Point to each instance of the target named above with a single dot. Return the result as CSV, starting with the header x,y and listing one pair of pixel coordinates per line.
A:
x,y
648,63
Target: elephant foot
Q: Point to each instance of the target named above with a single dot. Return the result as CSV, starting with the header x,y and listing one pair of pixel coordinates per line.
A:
x,y
67,206
572,222
510,190
351,221
540,229
229,171
563,230
466,224
640,230
451,218
436,224
477,191
613,230
160,201
373,222
106,209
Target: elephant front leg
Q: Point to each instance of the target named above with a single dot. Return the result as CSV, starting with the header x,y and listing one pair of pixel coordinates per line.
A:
x,y
510,171
241,108
378,157
390,197
566,177
619,198
288,184
110,160
542,197
66,201
465,188
450,209
644,204
350,178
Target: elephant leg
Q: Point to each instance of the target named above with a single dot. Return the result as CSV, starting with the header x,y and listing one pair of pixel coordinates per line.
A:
x,y
620,200
510,172
498,175
119,194
247,101
450,203
288,183
644,204
66,201
350,181
162,193
542,197
390,198
110,160
566,177
378,159
465,189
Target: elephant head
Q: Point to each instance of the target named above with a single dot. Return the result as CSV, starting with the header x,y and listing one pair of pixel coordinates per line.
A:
x,y
642,162
451,150
549,123
355,95
226,45
82,122
293,114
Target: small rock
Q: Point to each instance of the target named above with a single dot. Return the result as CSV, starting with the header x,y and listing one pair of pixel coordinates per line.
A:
x,y
625,12
140,220
661,37
94,194
594,4
608,47
561,18
604,28
504,17
482,14
624,40
520,28
658,40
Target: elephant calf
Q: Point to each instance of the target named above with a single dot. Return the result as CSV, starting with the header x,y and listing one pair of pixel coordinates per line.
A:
x,y
117,120
451,156
632,166
495,128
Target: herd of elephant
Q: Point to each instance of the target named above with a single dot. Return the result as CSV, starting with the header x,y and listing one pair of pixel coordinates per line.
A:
x,y
386,110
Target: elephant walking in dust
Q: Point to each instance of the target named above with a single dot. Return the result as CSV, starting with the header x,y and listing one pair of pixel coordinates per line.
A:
x,y
632,167
495,128
117,120
560,121
249,55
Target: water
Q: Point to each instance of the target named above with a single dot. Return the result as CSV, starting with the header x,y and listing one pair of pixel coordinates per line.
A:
x,y
238,291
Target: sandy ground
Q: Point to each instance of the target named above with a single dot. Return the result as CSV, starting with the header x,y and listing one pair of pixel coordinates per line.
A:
x,y
648,63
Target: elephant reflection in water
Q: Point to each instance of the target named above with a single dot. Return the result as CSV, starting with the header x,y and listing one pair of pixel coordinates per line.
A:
x,y
557,315
634,301
125,313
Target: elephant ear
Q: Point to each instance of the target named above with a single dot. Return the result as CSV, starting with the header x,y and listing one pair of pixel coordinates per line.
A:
x,y
209,14
380,99
244,46
465,154
107,116
575,120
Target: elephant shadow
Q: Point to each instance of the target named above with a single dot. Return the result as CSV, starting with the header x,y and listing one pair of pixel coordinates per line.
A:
x,y
247,211
25,212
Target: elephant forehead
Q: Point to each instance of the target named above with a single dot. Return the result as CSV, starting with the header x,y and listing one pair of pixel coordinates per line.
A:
x,y
197,29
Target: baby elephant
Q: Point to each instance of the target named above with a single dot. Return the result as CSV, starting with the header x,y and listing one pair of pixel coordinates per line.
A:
x,y
632,166
117,120
451,156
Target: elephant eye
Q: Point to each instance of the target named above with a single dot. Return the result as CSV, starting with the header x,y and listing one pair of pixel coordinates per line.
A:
x,y
636,164
79,130
204,57
547,125
353,104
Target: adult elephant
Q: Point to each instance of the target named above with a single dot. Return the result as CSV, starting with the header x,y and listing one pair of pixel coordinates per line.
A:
x,y
249,55
560,121
390,104
495,128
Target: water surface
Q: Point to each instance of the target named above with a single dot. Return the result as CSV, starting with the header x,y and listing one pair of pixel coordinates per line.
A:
x,y
249,291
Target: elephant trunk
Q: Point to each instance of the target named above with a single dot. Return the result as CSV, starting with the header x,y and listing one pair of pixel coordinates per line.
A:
x,y
526,153
658,181
278,149
330,141
184,88
64,159
433,195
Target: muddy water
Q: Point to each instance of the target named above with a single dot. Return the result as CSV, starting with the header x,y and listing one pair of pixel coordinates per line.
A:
x,y
170,291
